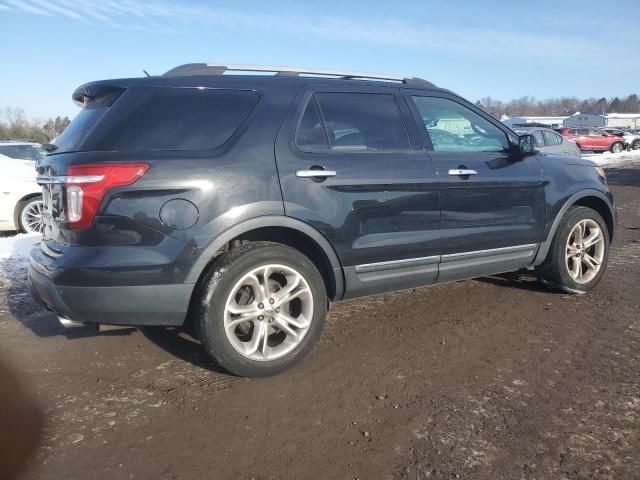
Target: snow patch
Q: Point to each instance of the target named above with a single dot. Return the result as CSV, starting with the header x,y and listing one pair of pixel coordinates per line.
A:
x,y
614,159
18,246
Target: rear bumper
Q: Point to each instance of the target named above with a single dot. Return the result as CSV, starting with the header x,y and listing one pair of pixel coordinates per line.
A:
x,y
114,304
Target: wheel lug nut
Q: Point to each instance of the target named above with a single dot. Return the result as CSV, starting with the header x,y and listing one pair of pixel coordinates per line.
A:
x,y
277,309
260,317
271,320
271,301
260,305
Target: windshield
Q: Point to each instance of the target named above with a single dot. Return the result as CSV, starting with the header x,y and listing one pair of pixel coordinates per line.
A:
x,y
22,152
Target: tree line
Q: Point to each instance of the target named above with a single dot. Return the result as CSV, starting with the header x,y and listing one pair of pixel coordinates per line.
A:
x,y
14,125
558,107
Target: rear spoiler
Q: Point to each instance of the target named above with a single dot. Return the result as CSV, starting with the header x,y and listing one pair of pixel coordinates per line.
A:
x,y
96,95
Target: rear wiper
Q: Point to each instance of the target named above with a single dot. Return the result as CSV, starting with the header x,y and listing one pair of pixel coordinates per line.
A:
x,y
50,147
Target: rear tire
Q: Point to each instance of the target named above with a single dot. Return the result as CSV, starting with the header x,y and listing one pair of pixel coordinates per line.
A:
x,y
29,215
578,256
261,309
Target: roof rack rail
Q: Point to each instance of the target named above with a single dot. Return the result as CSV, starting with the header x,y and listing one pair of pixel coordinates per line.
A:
x,y
189,69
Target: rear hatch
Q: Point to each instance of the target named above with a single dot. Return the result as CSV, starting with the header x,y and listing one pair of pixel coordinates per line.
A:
x,y
125,128
95,100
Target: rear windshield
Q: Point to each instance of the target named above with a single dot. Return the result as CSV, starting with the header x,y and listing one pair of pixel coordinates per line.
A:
x,y
75,133
183,119
22,152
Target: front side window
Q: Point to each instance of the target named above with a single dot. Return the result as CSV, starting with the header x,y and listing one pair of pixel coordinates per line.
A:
x,y
353,122
538,140
551,138
453,127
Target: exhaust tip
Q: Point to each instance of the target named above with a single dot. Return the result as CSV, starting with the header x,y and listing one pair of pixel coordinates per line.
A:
x,y
67,323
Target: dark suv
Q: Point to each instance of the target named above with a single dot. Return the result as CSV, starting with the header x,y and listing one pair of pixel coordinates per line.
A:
x,y
245,204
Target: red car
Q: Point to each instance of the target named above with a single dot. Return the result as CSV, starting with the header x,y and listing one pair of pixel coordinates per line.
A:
x,y
589,138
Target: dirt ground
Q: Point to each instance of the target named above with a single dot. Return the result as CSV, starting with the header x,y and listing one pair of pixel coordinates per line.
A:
x,y
495,378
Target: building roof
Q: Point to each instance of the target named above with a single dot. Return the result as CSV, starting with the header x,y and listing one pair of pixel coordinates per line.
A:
x,y
622,115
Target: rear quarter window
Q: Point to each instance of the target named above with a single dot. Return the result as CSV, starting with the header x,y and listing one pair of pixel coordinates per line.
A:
x,y
184,119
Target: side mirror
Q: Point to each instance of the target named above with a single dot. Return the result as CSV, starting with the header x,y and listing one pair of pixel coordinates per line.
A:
x,y
526,147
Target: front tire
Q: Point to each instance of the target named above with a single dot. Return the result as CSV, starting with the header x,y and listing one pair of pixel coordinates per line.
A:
x,y
636,145
261,309
578,256
617,147
29,214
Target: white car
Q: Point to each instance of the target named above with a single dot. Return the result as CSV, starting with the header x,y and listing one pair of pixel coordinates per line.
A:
x,y
631,139
20,195
548,141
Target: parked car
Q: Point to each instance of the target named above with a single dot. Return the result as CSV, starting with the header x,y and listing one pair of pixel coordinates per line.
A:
x,y
590,138
20,195
631,139
246,204
548,141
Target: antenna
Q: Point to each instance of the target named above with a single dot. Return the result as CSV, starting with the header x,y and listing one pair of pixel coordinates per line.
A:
x,y
146,73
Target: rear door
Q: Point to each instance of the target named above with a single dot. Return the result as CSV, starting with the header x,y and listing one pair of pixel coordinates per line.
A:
x,y
492,206
352,167
586,141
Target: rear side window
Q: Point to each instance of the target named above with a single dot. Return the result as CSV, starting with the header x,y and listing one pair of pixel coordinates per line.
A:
x,y
353,122
185,119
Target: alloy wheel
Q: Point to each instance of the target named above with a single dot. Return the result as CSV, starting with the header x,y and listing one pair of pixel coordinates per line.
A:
x,y
31,217
268,312
585,251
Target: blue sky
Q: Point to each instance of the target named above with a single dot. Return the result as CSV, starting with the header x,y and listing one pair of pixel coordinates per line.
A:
x,y
475,48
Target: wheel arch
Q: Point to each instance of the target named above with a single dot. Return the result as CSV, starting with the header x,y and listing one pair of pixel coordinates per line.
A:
x,y
592,199
285,230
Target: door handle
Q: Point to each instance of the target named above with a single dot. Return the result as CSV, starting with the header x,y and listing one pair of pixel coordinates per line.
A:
x,y
315,173
462,172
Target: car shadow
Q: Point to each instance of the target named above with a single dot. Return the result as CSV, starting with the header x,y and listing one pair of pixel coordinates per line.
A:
x,y
519,280
182,343
623,176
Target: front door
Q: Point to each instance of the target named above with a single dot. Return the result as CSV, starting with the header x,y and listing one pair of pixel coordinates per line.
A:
x,y
492,205
351,164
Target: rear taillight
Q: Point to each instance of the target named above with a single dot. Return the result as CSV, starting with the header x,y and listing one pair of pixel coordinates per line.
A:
x,y
86,186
